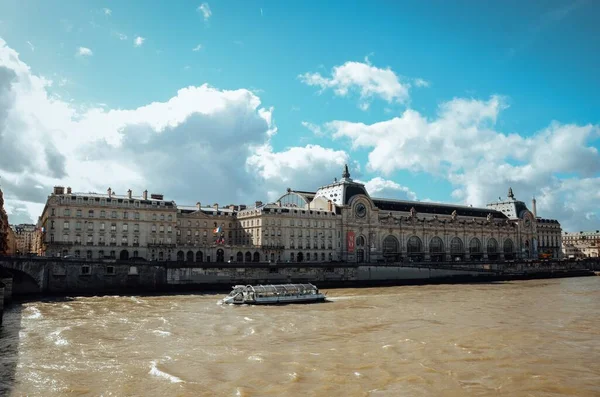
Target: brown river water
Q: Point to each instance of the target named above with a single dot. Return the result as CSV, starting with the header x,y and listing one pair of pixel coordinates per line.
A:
x,y
522,338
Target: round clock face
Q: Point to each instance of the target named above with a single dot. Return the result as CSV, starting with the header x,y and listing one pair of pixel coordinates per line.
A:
x,y
361,210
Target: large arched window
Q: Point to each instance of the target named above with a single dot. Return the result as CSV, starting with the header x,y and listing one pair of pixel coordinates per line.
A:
x,y
456,246
189,256
391,249
414,245
390,245
508,246
180,255
492,246
293,200
475,246
436,246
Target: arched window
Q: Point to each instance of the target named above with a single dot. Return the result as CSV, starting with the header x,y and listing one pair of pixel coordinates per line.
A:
x,y
360,241
414,245
239,257
475,246
390,245
189,256
199,256
256,257
508,246
436,246
492,246
248,257
456,246
180,255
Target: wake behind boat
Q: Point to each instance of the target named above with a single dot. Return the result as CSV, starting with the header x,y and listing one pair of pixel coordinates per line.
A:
x,y
274,294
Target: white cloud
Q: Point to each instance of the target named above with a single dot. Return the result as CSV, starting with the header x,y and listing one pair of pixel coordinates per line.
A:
x,y
197,48
107,11
421,83
138,41
314,128
462,146
84,52
384,188
368,80
41,144
205,10
31,46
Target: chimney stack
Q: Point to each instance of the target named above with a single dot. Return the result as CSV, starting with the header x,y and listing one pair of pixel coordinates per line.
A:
x,y
198,205
145,194
216,206
329,205
109,191
258,204
534,207
68,190
129,193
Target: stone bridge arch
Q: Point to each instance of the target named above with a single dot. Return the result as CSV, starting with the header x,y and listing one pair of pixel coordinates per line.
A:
x,y
29,275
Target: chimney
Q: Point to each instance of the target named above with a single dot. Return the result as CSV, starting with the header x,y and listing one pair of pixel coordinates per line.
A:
x,y
109,191
59,190
258,204
68,190
216,206
329,205
145,194
129,193
534,207
198,205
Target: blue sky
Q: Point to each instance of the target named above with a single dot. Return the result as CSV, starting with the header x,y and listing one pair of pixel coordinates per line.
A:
x,y
540,58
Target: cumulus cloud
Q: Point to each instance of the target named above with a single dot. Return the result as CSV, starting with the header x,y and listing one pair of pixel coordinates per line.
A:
x,y
368,80
385,188
462,145
138,41
84,52
204,8
203,144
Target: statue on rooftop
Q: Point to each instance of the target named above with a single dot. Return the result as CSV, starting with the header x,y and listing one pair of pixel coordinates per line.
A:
x,y
510,193
346,173
454,215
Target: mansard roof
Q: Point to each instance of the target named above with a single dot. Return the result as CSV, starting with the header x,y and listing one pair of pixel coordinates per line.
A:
x,y
435,208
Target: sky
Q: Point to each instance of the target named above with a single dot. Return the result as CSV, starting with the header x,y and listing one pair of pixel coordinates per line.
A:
x,y
235,101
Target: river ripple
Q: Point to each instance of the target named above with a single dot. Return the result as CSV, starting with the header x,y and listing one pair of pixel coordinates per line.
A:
x,y
524,338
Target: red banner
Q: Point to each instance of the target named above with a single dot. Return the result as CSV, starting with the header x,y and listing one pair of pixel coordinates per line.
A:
x,y
350,240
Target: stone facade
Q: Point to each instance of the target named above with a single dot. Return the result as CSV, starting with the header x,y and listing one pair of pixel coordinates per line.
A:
x,y
4,227
25,239
338,222
583,244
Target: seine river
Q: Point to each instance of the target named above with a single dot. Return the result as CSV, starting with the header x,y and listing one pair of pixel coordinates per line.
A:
x,y
524,338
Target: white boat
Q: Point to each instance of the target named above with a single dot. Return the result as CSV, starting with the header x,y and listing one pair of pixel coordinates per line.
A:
x,y
273,294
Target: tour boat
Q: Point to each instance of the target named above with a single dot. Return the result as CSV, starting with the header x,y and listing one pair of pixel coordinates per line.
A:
x,y
273,294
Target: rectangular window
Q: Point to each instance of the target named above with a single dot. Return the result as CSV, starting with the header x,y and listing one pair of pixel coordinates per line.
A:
x,y
78,213
110,270
66,225
169,230
90,213
102,226
113,227
67,212
113,214
124,227
137,215
85,270
90,226
102,214
65,237
78,226
136,227
125,215
153,228
162,229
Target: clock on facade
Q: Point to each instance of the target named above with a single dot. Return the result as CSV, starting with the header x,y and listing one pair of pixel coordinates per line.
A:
x,y
361,210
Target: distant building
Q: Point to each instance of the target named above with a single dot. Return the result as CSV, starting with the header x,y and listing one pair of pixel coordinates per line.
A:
x,y
583,244
25,236
4,227
338,222
11,246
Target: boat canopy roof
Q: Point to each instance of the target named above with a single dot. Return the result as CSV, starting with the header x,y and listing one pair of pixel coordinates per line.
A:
x,y
283,288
